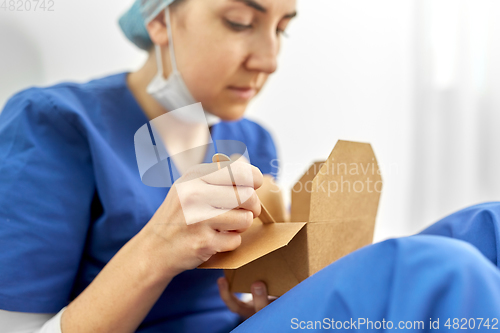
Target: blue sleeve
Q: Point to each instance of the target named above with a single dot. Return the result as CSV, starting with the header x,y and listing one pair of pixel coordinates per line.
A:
x,y
46,189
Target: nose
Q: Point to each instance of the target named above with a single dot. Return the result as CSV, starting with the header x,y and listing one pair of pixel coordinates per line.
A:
x,y
264,53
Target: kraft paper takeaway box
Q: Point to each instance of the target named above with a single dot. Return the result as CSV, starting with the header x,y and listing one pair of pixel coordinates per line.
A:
x,y
334,206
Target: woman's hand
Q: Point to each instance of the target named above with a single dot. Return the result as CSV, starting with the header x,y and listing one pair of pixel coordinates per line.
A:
x,y
245,309
122,294
200,216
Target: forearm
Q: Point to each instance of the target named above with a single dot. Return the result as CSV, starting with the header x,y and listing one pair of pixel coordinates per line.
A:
x,y
122,294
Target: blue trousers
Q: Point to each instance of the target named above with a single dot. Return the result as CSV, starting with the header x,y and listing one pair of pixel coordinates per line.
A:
x,y
446,278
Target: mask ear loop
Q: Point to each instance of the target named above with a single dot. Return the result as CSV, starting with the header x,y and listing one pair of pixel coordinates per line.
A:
x,y
170,40
159,62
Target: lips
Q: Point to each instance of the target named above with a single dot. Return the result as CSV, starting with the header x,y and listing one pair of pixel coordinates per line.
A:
x,y
243,92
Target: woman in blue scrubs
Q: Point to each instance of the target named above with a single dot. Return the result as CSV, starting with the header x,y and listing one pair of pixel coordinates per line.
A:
x,y
79,227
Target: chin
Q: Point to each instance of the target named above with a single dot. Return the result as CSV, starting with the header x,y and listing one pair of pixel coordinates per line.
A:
x,y
229,112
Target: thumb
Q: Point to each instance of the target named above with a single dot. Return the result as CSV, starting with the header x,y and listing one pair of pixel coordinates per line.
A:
x,y
259,293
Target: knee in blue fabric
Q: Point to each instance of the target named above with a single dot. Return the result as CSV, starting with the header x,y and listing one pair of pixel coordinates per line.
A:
x,y
478,225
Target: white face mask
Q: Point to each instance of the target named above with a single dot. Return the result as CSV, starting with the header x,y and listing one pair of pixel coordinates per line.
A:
x,y
172,93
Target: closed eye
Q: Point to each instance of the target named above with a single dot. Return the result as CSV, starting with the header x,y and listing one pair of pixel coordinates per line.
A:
x,y
242,27
237,26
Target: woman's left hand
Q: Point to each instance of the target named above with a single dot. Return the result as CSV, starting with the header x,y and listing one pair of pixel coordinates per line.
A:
x,y
245,309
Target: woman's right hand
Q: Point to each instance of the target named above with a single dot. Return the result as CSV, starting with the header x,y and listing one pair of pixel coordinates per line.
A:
x,y
200,215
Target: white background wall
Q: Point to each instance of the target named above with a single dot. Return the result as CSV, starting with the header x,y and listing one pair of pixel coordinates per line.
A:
x,y
347,71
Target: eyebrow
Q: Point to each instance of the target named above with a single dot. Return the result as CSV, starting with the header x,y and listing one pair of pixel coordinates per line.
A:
x,y
260,8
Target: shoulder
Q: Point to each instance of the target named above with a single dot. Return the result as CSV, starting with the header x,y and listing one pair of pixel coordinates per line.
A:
x,y
65,91
28,109
66,102
27,100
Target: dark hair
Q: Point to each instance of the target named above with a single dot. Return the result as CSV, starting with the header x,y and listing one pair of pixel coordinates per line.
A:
x,y
177,2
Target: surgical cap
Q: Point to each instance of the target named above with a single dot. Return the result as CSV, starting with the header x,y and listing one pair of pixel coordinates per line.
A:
x,y
133,22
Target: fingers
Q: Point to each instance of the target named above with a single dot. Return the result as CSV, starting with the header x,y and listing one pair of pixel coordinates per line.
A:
x,y
226,241
246,310
259,293
227,197
232,302
252,203
201,201
230,173
237,220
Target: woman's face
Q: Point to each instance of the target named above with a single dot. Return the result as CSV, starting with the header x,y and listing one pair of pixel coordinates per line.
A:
x,y
226,49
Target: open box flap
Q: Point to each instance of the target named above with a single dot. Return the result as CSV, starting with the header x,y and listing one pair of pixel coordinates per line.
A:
x,y
347,186
259,240
301,193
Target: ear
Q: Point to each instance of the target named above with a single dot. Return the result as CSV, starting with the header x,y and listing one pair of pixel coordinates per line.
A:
x,y
157,30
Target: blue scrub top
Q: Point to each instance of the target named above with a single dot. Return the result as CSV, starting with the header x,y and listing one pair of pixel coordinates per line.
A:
x,y
71,197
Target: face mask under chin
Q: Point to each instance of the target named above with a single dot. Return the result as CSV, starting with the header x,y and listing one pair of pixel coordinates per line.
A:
x,y
172,93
